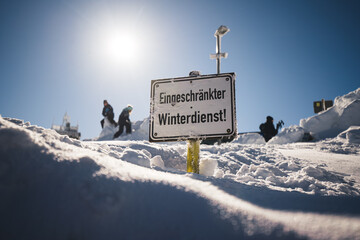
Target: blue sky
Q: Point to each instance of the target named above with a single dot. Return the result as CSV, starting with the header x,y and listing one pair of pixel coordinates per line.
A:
x,y
63,56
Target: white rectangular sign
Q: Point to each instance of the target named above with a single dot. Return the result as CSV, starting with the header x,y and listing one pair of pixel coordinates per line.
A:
x,y
193,108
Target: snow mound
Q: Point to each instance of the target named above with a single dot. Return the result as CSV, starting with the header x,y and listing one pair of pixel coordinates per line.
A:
x,y
288,135
54,187
140,131
157,162
207,167
344,114
327,124
352,135
108,131
250,138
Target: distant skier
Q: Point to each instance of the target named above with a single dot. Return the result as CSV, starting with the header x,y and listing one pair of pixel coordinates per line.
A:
x,y
124,120
108,112
268,130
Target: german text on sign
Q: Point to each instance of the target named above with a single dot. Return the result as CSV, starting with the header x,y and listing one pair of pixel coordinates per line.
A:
x,y
193,107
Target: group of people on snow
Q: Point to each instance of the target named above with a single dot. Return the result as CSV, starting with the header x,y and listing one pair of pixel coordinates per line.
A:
x,y
124,118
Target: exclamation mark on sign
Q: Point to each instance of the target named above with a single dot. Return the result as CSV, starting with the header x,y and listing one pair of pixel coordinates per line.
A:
x,y
224,115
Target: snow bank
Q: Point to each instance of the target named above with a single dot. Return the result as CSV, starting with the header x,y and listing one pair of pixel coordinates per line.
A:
x,y
54,187
140,131
352,135
344,114
327,124
250,138
108,131
288,135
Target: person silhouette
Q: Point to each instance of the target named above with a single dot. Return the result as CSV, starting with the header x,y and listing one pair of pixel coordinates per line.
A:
x,y
124,120
108,113
268,130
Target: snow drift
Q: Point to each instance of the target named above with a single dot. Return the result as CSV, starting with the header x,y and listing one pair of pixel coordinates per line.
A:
x,y
352,135
327,124
54,187
344,114
140,131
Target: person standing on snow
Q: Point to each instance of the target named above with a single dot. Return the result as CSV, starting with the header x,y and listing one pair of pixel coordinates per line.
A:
x,y
108,112
124,120
268,130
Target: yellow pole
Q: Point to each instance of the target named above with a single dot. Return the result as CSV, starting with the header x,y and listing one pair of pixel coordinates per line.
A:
x,y
193,153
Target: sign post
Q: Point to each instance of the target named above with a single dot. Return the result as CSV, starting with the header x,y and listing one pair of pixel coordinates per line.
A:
x,y
193,155
193,108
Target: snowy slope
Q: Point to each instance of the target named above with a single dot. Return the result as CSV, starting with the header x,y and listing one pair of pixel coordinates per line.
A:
x,y
53,187
344,114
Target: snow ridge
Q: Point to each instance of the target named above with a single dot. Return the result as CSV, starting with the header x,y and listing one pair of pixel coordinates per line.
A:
x,y
72,189
344,114
54,187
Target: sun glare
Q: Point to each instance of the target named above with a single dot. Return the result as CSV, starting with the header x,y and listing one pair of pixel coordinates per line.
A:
x,y
115,43
117,47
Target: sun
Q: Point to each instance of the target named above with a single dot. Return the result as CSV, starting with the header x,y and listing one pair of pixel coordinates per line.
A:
x,y
117,47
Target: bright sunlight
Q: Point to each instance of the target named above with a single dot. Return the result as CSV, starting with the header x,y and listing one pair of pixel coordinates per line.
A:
x,y
119,47
115,42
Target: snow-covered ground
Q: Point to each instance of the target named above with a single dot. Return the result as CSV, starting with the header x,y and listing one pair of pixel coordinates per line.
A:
x,y
54,187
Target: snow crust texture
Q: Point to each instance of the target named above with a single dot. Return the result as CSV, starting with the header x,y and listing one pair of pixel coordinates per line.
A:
x,y
54,187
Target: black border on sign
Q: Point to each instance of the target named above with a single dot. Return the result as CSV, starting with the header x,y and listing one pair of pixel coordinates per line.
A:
x,y
233,132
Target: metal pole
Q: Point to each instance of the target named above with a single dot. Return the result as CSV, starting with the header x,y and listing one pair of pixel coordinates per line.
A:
x,y
221,31
323,104
218,51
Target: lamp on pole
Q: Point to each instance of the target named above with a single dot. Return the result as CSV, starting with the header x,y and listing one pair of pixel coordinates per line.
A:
x,y
221,31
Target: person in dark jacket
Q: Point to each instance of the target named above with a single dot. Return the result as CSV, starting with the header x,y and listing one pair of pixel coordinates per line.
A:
x,y
108,112
268,130
124,120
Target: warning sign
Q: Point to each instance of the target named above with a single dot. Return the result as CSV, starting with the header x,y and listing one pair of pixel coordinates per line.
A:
x,y
193,108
